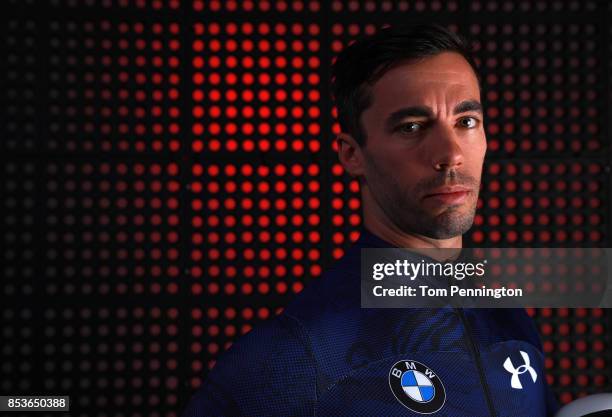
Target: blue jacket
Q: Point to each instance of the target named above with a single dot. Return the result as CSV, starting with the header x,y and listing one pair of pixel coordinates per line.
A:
x,y
326,356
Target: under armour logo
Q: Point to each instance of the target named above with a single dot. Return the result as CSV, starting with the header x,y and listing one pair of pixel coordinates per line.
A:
x,y
515,382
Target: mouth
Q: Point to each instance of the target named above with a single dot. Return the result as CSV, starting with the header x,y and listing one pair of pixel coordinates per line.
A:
x,y
450,195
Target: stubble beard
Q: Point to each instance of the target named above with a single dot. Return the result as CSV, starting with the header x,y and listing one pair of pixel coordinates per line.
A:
x,y
453,221
402,206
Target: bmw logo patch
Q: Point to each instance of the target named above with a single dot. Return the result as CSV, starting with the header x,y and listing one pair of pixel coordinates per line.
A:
x,y
417,387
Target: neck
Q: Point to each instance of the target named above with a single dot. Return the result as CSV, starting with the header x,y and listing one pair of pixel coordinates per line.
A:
x,y
381,226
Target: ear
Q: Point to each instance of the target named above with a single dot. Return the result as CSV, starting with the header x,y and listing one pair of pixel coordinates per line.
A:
x,y
350,154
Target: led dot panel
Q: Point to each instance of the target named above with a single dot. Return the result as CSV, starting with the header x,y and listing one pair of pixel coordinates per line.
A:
x,y
346,210
118,353
19,236
256,6
18,349
114,86
20,130
111,229
526,6
111,86
400,6
542,204
542,93
577,350
263,228
138,5
17,3
19,225
257,87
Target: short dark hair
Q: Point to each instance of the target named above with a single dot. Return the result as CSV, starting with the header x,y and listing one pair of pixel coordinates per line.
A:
x,y
365,61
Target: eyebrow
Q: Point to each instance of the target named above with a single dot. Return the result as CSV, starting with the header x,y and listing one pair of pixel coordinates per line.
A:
x,y
425,111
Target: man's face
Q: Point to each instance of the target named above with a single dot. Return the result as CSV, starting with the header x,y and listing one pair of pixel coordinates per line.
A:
x,y
425,145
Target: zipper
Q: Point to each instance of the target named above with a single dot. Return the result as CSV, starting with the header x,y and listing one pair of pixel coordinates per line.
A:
x,y
474,348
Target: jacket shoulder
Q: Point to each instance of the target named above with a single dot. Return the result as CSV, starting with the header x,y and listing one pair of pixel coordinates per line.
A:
x,y
269,371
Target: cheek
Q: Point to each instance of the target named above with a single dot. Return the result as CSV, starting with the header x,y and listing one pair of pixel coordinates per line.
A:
x,y
404,168
394,168
478,155
404,174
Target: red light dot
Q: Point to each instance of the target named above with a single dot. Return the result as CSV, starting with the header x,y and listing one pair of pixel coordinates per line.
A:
x,y
263,287
281,287
297,287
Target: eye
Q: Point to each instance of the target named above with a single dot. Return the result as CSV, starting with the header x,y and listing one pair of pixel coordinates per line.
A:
x,y
469,122
409,127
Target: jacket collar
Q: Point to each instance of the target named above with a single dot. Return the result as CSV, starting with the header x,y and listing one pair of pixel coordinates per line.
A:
x,y
368,239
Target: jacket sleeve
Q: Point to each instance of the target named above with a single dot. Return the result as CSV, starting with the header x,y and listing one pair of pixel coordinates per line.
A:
x,y
268,372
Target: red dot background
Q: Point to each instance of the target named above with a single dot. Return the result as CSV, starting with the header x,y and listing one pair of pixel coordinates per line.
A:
x,y
170,177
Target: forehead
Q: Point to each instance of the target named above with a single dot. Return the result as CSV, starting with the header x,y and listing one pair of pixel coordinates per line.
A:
x,y
446,76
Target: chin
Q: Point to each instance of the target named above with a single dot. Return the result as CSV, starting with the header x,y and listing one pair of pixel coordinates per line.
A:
x,y
450,226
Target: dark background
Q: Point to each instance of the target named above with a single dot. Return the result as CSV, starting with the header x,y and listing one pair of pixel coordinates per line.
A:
x,y
169,179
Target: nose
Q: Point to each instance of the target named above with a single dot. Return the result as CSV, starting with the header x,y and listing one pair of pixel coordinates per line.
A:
x,y
445,149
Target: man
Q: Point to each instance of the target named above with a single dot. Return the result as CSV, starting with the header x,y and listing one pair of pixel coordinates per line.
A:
x,y
408,103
